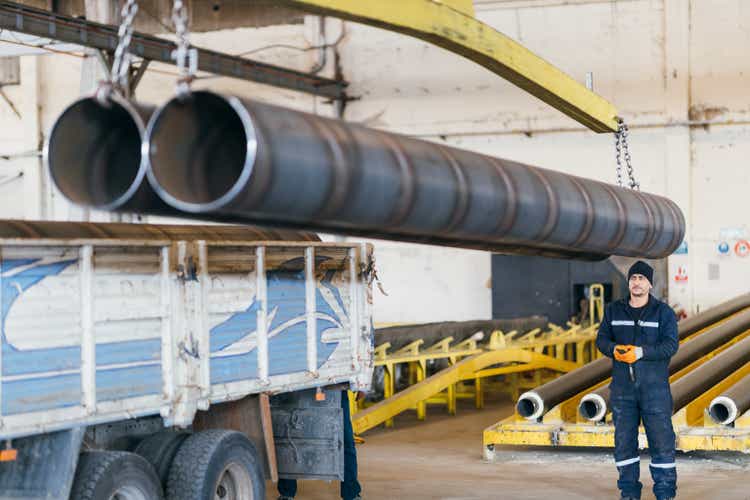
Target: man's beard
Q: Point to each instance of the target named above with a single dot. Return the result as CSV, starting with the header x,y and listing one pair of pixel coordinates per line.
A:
x,y
638,293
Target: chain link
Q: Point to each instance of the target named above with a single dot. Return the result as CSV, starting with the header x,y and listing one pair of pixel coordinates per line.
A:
x,y
185,57
121,64
622,149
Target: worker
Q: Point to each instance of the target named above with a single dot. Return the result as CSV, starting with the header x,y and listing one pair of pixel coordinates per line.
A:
x,y
640,333
350,488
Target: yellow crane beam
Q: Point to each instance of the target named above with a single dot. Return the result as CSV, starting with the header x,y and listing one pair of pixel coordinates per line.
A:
x,y
451,24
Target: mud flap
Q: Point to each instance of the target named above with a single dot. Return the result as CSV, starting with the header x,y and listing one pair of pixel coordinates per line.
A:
x,y
44,468
309,435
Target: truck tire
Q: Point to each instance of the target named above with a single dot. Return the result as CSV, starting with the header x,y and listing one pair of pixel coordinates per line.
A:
x,y
103,475
159,450
216,464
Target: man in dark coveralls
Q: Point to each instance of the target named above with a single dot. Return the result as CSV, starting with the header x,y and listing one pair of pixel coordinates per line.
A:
x,y
640,334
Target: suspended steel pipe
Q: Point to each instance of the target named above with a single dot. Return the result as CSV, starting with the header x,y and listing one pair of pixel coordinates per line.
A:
x,y
93,154
594,405
213,155
534,404
732,403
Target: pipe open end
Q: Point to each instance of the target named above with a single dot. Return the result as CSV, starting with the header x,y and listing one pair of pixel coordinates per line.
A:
x,y
93,152
530,405
723,410
593,407
188,139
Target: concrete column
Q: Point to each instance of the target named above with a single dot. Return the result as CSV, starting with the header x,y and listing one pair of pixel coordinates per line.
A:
x,y
35,186
678,147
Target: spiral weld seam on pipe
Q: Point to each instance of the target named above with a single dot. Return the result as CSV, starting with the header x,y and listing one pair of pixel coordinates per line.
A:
x,y
287,168
596,372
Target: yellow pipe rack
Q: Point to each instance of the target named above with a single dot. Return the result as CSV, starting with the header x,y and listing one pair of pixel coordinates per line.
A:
x,y
562,426
559,350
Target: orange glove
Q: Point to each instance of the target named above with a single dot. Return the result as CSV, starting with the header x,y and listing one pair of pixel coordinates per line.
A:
x,y
626,354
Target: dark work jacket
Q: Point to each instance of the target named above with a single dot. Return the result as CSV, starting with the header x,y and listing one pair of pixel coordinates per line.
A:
x,y
655,332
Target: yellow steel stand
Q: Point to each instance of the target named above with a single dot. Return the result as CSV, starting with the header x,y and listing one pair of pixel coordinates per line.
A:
x,y
562,426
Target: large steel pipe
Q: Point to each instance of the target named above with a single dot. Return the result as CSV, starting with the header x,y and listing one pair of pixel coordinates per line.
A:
x,y
534,404
93,154
211,154
710,373
594,406
725,408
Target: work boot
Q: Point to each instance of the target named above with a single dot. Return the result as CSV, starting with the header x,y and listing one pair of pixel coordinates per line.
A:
x,y
285,498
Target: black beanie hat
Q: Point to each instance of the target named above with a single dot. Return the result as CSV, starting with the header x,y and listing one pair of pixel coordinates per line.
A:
x,y
641,267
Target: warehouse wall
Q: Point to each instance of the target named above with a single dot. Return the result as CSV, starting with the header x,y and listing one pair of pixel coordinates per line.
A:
x,y
677,70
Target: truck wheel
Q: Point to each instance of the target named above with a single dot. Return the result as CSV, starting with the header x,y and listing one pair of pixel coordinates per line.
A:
x,y
159,450
216,465
118,475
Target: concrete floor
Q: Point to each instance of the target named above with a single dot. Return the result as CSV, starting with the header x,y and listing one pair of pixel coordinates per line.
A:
x,y
442,459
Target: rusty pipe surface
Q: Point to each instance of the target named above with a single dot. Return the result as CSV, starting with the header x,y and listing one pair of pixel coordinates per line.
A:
x,y
217,155
732,403
534,404
594,405
69,231
93,155
710,373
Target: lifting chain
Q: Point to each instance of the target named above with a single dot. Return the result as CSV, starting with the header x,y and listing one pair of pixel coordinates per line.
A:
x,y
622,149
185,57
119,74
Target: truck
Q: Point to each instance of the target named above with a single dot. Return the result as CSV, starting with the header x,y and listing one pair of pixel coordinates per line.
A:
x,y
183,362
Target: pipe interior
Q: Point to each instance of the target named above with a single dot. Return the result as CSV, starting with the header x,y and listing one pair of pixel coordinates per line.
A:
x,y
197,148
94,152
589,409
525,407
719,412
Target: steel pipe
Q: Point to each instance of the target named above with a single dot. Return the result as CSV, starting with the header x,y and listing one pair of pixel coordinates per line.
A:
x,y
710,373
93,154
67,231
568,385
215,155
594,405
399,336
732,403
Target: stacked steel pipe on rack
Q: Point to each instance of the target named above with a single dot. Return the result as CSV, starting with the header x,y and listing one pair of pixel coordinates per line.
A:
x,y
710,373
534,404
594,405
732,403
216,157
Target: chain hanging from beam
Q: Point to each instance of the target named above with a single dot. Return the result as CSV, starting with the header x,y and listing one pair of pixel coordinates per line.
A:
x,y
622,149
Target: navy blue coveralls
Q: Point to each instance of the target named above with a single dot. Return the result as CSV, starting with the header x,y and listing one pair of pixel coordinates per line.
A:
x,y
645,396
350,488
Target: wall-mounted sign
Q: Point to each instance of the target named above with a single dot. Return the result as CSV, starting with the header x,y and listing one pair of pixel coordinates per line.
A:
x,y
742,248
681,276
682,249
723,248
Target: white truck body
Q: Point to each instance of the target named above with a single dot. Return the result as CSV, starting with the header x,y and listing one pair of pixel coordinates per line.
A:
x,y
103,329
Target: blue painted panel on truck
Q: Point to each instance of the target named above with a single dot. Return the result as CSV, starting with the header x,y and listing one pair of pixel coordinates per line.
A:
x,y
287,330
36,379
